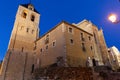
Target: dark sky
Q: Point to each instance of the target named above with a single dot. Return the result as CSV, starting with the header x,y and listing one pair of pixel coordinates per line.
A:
x,y
54,11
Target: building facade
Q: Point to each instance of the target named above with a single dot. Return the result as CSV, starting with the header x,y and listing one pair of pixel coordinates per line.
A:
x,y
19,58
0,64
66,44
114,57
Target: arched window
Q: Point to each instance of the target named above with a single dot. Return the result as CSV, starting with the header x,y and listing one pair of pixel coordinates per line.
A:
x,y
32,18
24,14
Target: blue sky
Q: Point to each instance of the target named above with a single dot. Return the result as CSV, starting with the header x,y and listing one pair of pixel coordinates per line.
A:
x,y
54,11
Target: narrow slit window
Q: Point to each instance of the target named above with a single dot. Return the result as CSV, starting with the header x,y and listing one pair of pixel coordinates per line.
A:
x,y
22,49
32,68
54,43
41,50
91,47
71,41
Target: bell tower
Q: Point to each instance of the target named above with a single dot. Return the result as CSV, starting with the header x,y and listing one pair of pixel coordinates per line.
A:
x,y
18,63
26,28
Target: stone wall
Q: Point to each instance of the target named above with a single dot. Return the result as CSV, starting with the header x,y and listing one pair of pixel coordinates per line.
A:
x,y
50,46
0,65
64,73
81,48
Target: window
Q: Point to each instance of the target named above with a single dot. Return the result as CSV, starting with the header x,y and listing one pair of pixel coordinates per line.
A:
x,y
27,30
83,47
32,68
32,31
24,14
47,39
47,36
22,49
71,41
32,18
70,30
82,38
41,50
91,47
89,38
81,35
47,47
54,43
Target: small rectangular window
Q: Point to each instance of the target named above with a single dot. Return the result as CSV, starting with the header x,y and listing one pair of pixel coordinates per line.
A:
x,y
82,37
70,30
27,30
41,50
47,47
22,49
89,38
83,47
54,43
91,47
32,70
71,41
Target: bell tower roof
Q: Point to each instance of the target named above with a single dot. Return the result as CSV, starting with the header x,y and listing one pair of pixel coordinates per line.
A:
x,y
29,6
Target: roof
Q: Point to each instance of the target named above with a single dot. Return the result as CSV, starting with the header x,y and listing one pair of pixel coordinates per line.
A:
x,y
58,25
26,6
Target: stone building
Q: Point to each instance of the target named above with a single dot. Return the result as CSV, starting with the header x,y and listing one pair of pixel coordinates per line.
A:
x,y
19,58
65,45
114,57
0,65
71,42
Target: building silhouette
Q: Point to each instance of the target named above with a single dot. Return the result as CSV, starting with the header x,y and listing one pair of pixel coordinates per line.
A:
x,y
66,45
